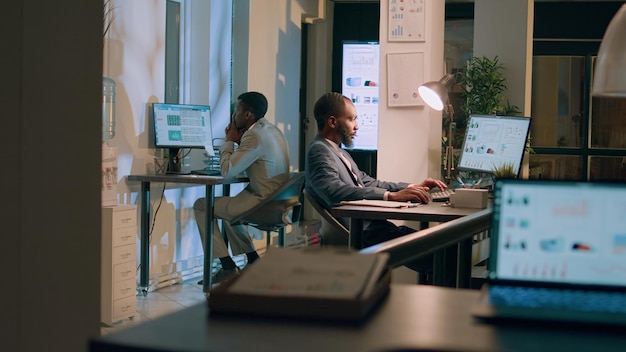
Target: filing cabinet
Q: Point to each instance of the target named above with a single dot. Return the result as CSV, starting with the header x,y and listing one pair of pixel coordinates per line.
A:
x,y
119,253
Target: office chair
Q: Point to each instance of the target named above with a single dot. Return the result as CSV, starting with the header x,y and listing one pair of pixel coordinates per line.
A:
x,y
333,232
272,213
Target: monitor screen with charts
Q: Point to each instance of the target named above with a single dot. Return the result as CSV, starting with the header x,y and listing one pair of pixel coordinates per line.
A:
x,y
492,142
182,126
179,126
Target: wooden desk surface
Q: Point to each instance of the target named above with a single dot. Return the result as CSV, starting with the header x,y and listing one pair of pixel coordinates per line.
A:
x,y
433,211
412,318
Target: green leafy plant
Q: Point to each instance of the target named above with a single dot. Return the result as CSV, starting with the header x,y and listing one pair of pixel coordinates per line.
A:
x,y
506,170
483,88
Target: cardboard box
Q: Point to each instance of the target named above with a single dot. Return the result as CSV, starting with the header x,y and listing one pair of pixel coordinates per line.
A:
x,y
469,198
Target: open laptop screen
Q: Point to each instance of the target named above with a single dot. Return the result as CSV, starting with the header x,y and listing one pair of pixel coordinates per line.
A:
x,y
559,231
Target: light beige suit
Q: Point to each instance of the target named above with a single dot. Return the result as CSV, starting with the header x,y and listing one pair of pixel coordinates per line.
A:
x,y
263,155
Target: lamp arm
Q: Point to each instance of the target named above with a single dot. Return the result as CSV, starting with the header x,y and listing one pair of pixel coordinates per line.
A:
x,y
449,159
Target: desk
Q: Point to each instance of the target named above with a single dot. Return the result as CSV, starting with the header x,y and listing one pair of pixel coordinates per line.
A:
x,y
210,182
432,211
413,317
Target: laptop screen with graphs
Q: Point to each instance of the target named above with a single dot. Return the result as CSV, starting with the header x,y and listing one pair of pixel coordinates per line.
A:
x,y
559,231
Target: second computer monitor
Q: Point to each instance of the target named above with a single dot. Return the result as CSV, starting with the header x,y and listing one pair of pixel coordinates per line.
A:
x,y
178,126
492,142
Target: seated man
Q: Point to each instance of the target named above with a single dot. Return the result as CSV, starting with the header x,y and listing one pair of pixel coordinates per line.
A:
x,y
332,175
264,156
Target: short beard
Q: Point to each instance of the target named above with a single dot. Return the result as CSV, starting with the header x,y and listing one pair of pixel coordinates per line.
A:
x,y
346,138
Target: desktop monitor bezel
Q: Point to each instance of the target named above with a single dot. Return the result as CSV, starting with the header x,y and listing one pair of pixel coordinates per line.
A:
x,y
518,154
174,147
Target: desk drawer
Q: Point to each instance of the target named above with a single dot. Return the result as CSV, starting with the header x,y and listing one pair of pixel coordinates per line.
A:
x,y
124,308
124,216
123,254
124,236
124,288
124,271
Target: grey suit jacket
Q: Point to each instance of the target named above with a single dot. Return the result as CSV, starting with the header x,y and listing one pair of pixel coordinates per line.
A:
x,y
329,180
263,155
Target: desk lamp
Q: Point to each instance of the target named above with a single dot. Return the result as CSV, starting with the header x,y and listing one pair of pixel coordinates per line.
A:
x,y
435,95
610,69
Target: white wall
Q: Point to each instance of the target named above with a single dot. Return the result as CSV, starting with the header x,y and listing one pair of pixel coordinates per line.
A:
x,y
271,40
505,29
409,138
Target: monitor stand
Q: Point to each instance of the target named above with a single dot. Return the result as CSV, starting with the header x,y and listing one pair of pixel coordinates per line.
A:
x,y
175,161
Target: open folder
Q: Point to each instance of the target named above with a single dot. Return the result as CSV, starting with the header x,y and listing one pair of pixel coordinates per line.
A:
x,y
326,282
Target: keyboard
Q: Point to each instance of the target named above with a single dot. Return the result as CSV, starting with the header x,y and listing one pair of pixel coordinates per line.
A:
x,y
561,299
441,196
206,172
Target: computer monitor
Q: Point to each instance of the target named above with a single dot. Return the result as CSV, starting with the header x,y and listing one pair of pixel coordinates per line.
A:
x,y
178,126
493,141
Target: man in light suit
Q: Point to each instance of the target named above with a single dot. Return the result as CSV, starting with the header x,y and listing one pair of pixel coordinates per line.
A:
x,y
332,175
263,155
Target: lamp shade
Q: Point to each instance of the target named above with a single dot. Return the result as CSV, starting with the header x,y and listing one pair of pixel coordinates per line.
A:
x,y
435,93
610,68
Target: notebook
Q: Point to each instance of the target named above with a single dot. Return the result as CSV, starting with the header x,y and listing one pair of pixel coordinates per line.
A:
x,y
557,252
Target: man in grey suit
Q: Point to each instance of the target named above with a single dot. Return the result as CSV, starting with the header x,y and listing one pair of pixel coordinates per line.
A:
x,y
332,175
263,155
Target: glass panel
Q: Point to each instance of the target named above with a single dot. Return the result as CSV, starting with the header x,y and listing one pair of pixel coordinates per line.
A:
x,y
608,123
557,101
554,167
607,168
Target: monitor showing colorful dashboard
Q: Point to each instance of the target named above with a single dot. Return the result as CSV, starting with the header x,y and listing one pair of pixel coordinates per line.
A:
x,y
182,125
494,141
178,126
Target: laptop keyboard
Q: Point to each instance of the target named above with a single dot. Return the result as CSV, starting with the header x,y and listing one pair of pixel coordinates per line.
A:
x,y
560,299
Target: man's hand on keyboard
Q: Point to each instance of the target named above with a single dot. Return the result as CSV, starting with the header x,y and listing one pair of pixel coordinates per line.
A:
x,y
431,183
413,193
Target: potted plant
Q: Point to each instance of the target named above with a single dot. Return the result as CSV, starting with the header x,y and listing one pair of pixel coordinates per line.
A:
x,y
482,92
504,171
483,88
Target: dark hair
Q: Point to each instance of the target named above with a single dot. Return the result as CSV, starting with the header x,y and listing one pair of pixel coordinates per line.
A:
x,y
254,102
329,104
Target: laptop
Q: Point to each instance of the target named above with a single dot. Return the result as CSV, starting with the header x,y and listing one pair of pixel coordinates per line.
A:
x,y
557,252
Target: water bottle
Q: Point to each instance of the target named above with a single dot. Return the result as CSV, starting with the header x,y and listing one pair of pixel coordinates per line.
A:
x,y
108,108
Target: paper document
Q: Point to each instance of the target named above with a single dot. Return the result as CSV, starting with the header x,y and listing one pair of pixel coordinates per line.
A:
x,y
380,203
320,272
